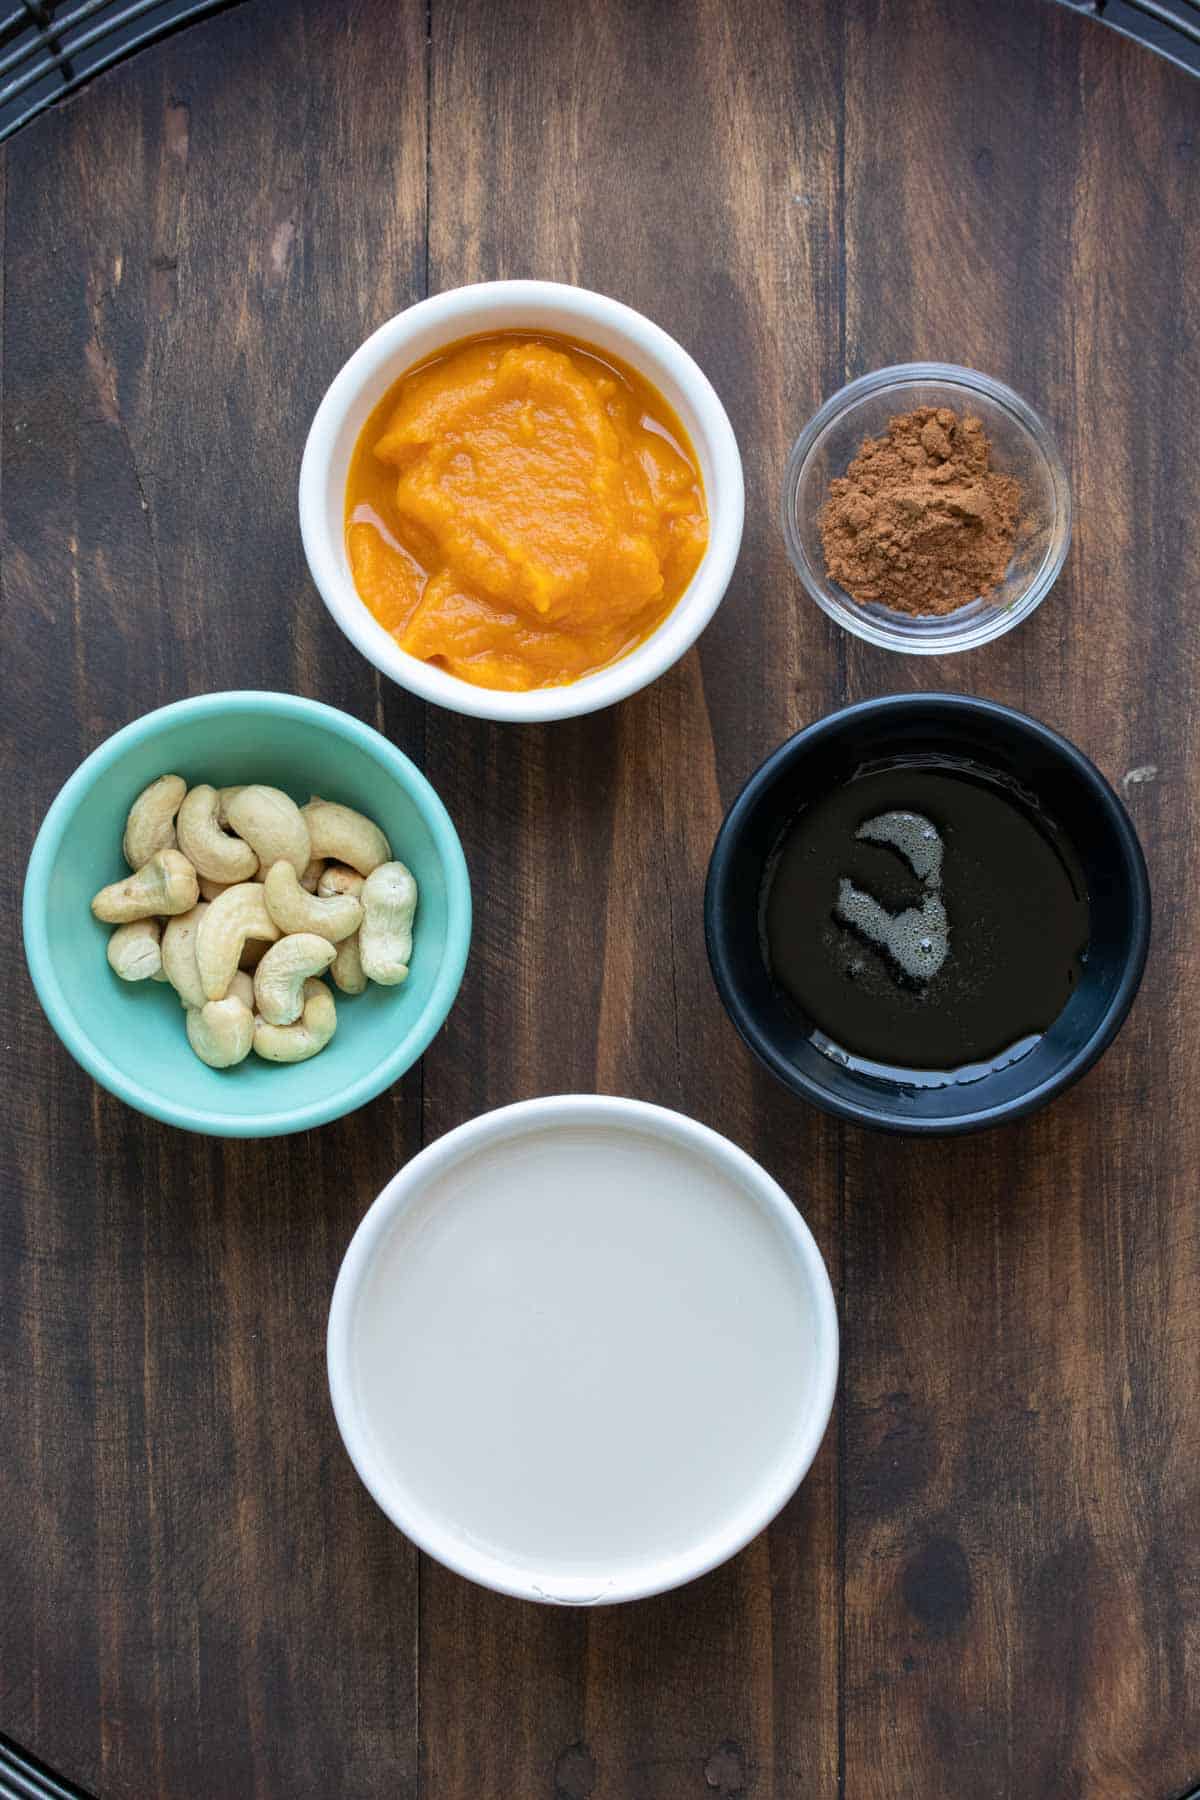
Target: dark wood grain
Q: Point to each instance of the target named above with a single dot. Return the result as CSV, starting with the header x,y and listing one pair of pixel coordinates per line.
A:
x,y
196,1595
1021,1490
990,1583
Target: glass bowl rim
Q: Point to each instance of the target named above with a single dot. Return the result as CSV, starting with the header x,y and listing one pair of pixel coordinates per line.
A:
x,y
980,630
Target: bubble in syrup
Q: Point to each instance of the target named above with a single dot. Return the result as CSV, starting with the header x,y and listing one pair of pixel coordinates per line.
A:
x,y
914,836
916,939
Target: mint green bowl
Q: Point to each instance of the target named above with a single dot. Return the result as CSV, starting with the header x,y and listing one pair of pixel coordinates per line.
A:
x,y
130,1036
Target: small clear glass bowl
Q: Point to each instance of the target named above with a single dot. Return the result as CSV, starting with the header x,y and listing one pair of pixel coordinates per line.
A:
x,y
1022,445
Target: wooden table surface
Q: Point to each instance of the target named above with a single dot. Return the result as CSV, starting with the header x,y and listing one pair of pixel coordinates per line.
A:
x,y
990,1583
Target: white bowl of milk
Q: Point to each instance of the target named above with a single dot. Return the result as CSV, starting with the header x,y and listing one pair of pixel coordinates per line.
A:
x,y
582,1349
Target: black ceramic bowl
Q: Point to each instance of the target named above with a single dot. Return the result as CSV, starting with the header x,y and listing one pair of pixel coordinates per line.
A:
x,y
1063,783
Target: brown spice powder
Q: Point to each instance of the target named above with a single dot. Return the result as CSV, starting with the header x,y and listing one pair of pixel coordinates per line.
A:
x,y
921,522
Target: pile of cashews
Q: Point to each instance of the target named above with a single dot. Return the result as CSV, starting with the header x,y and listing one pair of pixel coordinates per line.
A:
x,y
241,899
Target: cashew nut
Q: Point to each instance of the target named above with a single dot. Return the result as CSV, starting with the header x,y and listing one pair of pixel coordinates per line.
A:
x,y
280,976
151,822
295,1043
337,879
221,1032
346,836
224,796
210,850
164,886
134,952
241,987
210,889
179,955
389,902
292,909
346,967
272,825
237,914
237,879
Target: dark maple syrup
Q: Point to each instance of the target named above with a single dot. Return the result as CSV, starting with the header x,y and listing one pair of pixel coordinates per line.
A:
x,y
927,919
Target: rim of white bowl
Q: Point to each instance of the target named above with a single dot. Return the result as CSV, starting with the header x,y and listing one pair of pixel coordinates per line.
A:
x,y
210,1121
439,1539
462,312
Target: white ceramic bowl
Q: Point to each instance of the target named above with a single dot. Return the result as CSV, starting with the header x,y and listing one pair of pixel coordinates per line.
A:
x,y
582,1349
528,306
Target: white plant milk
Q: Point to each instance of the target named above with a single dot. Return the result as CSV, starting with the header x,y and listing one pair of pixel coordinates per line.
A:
x,y
584,1350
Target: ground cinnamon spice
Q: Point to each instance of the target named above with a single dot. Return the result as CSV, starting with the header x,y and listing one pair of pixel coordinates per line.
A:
x,y
921,522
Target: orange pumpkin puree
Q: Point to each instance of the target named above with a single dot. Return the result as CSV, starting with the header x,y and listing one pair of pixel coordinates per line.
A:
x,y
522,510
